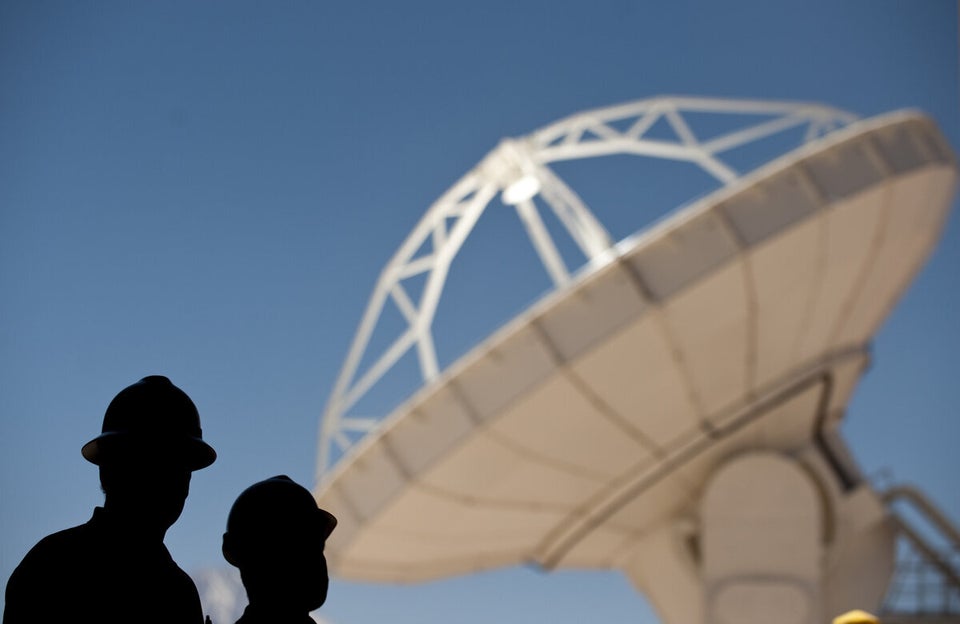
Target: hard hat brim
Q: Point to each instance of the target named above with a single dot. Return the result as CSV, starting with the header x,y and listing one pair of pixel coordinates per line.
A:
x,y
194,452
327,521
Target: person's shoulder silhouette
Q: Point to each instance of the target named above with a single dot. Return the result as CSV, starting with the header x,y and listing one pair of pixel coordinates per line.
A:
x,y
275,536
115,567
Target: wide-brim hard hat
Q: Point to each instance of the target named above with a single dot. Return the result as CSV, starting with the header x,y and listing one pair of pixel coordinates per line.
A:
x,y
270,512
155,416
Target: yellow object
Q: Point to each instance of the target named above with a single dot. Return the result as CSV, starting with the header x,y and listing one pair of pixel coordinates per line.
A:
x,y
856,617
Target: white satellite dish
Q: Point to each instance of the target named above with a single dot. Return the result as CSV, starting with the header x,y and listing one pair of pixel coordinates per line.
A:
x,y
672,410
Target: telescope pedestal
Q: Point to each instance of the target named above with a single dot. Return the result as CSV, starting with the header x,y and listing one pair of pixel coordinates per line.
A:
x,y
771,541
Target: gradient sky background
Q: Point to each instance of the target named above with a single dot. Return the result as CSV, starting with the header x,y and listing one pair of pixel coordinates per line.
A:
x,y
208,190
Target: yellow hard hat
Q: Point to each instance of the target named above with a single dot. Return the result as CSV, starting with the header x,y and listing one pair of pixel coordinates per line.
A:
x,y
856,617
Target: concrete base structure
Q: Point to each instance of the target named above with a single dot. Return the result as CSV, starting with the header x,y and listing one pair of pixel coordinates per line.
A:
x,y
772,540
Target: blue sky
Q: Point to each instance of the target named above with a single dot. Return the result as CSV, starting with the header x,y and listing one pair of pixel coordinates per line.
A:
x,y
209,190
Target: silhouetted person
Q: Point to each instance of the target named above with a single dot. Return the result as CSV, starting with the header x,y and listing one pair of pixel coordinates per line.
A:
x,y
275,535
115,567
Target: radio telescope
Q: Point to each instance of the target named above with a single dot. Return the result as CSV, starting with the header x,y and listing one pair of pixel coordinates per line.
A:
x,y
670,410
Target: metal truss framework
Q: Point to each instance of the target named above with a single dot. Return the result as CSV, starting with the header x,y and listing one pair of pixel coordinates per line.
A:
x,y
518,170
926,584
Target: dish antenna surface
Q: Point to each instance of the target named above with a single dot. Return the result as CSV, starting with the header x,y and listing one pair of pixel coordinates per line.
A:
x,y
671,410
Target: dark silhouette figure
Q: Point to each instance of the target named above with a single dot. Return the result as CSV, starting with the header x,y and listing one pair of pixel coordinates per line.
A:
x,y
115,567
275,535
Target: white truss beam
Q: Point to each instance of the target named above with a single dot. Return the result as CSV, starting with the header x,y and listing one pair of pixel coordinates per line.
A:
x,y
517,168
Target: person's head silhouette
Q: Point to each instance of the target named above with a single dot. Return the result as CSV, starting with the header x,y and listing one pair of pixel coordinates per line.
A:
x,y
275,536
150,443
115,566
